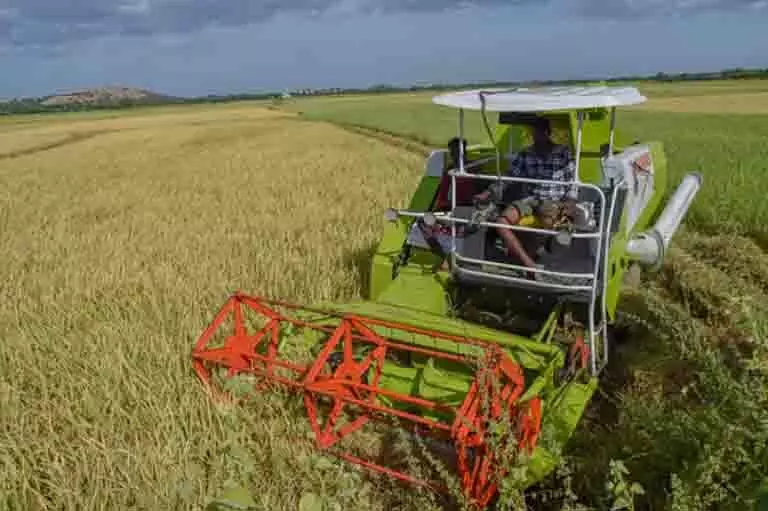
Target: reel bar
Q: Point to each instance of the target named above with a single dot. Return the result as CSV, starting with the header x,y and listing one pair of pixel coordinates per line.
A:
x,y
260,302
353,382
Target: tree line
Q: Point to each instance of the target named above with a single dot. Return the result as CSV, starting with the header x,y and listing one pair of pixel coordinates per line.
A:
x,y
38,106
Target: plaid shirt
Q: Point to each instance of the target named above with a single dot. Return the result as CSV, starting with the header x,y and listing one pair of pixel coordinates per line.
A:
x,y
557,166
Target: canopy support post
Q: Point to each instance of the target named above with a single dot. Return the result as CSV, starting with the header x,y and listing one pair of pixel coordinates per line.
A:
x,y
579,130
613,129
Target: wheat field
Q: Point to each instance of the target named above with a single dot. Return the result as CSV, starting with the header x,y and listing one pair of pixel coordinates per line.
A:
x,y
121,238
124,233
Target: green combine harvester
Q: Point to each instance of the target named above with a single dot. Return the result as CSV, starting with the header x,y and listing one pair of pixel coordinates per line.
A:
x,y
489,362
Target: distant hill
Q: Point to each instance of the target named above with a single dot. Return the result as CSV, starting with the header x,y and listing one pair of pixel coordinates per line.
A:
x,y
104,96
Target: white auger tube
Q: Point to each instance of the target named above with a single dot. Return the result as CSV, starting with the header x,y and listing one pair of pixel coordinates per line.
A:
x,y
650,247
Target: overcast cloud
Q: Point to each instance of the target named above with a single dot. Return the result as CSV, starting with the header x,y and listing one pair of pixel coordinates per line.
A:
x,y
626,8
198,47
48,23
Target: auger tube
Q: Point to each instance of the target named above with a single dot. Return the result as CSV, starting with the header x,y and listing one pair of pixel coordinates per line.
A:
x,y
650,247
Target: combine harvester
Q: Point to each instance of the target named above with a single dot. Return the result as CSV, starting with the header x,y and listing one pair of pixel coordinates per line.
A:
x,y
456,340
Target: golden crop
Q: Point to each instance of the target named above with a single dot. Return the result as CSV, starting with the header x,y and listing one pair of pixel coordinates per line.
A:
x,y
121,237
123,233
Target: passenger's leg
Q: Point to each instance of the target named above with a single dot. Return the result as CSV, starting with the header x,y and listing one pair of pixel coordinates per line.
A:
x,y
511,216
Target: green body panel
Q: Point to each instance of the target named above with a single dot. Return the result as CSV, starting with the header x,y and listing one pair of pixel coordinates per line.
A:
x,y
561,415
618,262
617,266
526,351
385,256
424,193
418,289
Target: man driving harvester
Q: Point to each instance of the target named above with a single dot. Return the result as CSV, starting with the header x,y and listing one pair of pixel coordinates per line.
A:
x,y
542,160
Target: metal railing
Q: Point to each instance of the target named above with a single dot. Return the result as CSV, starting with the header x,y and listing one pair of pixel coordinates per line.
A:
x,y
601,232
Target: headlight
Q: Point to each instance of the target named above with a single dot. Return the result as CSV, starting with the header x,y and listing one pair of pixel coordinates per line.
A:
x,y
390,215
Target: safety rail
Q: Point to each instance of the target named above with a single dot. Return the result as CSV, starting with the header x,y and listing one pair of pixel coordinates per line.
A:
x,y
600,232
447,218
599,229
474,164
524,228
490,177
587,276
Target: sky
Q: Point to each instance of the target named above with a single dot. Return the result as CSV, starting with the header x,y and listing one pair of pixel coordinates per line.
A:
x,y
199,47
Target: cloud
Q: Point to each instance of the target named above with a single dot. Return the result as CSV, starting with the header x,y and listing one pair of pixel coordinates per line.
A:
x,y
49,23
620,9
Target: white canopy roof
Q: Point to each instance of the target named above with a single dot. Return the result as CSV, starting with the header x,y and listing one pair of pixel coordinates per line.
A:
x,y
542,98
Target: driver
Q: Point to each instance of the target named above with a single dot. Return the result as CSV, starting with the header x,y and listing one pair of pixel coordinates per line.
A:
x,y
542,160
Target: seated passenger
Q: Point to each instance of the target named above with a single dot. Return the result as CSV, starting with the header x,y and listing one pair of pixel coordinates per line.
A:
x,y
466,188
542,160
